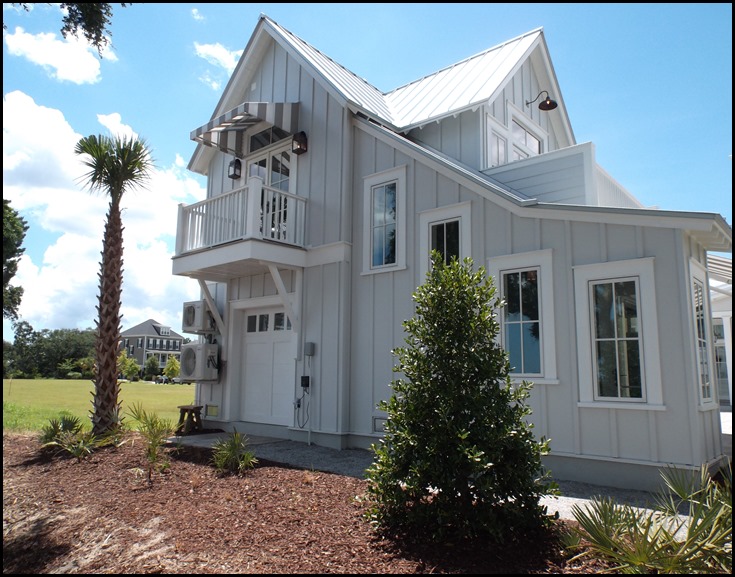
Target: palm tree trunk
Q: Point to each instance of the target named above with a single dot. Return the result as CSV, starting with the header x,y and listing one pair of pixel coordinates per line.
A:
x,y
107,407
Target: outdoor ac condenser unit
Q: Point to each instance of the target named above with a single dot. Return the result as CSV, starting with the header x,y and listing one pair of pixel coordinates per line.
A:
x,y
199,362
196,318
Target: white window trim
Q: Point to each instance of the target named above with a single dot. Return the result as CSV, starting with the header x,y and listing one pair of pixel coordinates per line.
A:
x,y
543,260
399,175
493,126
517,115
462,212
699,273
643,269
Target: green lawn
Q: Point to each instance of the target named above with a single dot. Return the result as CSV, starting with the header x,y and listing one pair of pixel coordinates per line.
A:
x,y
28,404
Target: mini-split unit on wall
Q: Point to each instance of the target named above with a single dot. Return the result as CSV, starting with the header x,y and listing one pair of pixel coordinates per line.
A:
x,y
197,318
199,362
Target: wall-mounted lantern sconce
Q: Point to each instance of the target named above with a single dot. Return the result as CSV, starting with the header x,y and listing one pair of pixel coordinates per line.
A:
x,y
234,171
298,144
546,104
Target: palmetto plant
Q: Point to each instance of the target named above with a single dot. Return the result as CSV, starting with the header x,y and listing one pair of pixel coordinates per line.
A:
x,y
66,434
155,431
116,164
232,455
689,531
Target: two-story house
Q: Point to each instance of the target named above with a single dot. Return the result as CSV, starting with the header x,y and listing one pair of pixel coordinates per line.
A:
x,y
324,199
151,338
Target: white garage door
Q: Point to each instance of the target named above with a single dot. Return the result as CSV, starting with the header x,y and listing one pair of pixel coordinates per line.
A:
x,y
269,369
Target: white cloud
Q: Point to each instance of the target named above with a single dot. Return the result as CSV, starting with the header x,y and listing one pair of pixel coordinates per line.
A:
x,y
213,83
218,55
196,15
59,270
69,59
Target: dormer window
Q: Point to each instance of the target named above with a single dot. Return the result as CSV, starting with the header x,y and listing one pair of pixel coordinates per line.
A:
x,y
521,139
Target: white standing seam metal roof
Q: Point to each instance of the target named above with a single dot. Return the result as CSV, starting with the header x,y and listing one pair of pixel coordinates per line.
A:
x,y
461,86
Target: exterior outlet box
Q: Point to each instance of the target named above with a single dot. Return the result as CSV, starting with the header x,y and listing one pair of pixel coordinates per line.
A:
x,y
309,349
305,382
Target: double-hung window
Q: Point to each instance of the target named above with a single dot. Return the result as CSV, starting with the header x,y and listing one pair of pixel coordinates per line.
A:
x,y
617,337
525,283
384,207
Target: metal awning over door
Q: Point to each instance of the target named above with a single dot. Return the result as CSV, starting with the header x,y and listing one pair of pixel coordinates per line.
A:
x,y
226,132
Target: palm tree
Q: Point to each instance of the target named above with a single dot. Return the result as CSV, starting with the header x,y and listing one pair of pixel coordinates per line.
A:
x,y
116,165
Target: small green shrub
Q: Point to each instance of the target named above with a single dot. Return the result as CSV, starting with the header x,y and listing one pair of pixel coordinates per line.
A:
x,y
664,540
155,431
65,423
231,455
66,435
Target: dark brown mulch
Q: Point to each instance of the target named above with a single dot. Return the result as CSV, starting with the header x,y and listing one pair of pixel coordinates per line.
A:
x,y
101,515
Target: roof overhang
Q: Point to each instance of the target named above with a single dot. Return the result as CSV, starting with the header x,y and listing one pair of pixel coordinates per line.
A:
x,y
227,131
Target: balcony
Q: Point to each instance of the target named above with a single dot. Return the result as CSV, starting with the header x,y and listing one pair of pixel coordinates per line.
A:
x,y
234,233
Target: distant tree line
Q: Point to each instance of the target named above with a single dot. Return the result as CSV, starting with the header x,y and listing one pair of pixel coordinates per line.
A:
x,y
52,354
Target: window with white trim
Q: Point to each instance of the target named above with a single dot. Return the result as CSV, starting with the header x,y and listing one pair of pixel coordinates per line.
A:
x,y
446,229
522,138
618,356
702,332
525,283
384,206
617,344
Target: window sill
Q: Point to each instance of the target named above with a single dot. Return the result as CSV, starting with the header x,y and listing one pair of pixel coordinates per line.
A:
x,y
381,270
535,380
612,405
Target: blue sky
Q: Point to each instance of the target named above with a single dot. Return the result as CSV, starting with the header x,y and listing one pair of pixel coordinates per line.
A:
x,y
650,85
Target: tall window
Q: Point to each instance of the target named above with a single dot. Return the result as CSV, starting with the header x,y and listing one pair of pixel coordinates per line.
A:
x,y
702,339
525,283
720,346
498,149
445,239
384,224
617,333
617,345
521,321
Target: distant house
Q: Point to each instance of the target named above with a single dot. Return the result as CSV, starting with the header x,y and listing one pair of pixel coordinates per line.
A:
x,y
151,338
324,199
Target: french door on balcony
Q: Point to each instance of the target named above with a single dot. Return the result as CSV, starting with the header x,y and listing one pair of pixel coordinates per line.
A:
x,y
274,167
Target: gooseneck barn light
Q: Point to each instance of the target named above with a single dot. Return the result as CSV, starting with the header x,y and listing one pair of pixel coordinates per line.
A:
x,y
546,104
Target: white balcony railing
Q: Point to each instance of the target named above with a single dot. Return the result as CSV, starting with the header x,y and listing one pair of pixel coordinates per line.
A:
x,y
254,211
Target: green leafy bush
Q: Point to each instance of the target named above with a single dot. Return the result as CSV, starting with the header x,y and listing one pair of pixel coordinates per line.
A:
x,y
231,454
689,530
458,458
